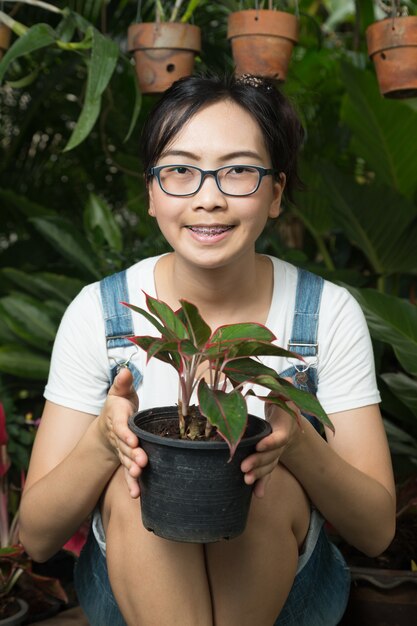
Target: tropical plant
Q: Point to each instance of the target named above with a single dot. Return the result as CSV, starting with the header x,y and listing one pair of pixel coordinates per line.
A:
x,y
15,565
206,361
172,11
75,35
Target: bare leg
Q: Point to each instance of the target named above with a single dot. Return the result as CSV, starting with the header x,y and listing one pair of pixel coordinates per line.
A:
x,y
251,576
155,582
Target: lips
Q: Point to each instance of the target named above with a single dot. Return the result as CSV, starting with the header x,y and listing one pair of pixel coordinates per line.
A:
x,y
210,231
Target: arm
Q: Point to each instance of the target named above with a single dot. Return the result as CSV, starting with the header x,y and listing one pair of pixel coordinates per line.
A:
x,y
349,479
74,456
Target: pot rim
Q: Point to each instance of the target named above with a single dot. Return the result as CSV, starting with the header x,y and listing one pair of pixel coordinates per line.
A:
x,y
264,22
164,413
382,36
164,35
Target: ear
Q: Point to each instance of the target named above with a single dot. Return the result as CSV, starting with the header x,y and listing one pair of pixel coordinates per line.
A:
x,y
278,189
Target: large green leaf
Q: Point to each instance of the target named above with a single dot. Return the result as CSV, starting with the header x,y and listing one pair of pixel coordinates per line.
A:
x,y
44,284
227,411
29,320
401,442
378,220
23,363
312,204
393,321
137,105
104,54
404,387
98,214
69,242
37,37
25,206
384,131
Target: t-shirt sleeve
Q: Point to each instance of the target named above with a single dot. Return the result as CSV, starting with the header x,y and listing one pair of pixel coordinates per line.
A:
x,y
79,372
346,365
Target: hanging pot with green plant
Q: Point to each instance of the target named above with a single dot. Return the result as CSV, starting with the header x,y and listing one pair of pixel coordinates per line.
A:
x,y
193,488
262,40
392,46
164,50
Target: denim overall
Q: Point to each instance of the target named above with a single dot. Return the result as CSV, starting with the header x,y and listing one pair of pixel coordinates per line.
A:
x,y
321,587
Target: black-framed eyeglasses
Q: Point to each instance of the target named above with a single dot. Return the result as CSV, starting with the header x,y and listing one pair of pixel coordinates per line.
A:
x,y
187,180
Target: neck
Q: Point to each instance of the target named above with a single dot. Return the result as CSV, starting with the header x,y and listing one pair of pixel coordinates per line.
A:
x,y
240,292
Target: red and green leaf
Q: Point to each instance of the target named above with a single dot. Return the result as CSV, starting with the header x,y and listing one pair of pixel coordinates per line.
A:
x,y
199,331
167,316
305,401
243,330
227,411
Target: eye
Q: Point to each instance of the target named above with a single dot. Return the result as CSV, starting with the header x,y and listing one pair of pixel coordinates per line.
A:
x,y
240,170
178,170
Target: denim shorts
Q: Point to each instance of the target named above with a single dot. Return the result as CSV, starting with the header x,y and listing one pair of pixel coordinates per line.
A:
x,y
318,596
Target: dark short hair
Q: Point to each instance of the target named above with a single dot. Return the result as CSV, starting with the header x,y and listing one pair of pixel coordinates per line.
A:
x,y
278,121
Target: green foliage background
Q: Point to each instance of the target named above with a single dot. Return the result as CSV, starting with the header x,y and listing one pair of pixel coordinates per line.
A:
x,y
73,203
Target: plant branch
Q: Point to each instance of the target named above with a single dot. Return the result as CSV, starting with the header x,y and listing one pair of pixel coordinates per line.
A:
x,y
38,3
175,10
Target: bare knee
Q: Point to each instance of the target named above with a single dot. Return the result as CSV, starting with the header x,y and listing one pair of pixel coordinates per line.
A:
x,y
252,575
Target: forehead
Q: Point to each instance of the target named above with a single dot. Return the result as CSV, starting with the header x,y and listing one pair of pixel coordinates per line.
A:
x,y
220,127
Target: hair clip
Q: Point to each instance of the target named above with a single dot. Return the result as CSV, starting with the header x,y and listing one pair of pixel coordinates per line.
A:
x,y
254,81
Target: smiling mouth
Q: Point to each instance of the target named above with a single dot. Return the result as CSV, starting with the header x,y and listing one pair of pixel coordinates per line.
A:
x,y
210,231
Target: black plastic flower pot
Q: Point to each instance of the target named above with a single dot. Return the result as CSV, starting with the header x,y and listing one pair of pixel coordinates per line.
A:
x,y
189,490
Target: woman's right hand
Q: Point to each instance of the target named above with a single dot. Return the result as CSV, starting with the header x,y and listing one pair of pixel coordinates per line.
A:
x,y
121,402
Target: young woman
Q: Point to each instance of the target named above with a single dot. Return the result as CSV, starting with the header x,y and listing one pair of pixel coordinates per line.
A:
x,y
218,157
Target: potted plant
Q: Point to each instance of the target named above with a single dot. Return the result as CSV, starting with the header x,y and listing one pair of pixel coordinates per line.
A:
x,y
262,40
384,588
5,37
392,46
23,593
165,50
192,488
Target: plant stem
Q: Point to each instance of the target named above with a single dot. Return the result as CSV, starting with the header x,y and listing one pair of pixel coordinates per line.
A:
x,y
38,3
175,10
18,28
181,420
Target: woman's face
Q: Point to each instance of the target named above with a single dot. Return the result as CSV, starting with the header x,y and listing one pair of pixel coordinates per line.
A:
x,y
210,229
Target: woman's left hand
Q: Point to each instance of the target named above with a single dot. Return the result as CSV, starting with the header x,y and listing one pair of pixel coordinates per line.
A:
x,y
258,466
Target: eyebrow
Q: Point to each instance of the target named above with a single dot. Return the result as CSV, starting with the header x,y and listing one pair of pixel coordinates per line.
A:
x,y
226,157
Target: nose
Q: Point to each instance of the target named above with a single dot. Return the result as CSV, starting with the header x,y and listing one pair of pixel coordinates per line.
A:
x,y
209,196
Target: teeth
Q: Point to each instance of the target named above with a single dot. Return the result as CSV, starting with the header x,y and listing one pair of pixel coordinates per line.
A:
x,y
209,231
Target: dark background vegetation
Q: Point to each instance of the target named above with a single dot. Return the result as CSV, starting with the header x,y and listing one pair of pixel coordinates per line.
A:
x,y
72,216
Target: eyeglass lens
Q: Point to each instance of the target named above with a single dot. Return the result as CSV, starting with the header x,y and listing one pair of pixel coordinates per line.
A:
x,y
238,181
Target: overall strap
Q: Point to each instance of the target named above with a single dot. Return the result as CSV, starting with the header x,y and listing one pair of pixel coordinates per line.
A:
x,y
304,333
118,322
306,320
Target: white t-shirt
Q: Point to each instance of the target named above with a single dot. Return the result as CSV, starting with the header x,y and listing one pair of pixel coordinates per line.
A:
x,y
79,374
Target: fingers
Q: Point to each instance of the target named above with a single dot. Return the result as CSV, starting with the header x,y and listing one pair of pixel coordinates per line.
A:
x,y
133,461
259,488
121,402
132,484
257,466
122,387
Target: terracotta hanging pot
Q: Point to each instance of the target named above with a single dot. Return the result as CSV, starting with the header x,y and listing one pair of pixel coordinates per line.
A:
x,y
5,37
262,41
392,46
164,52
